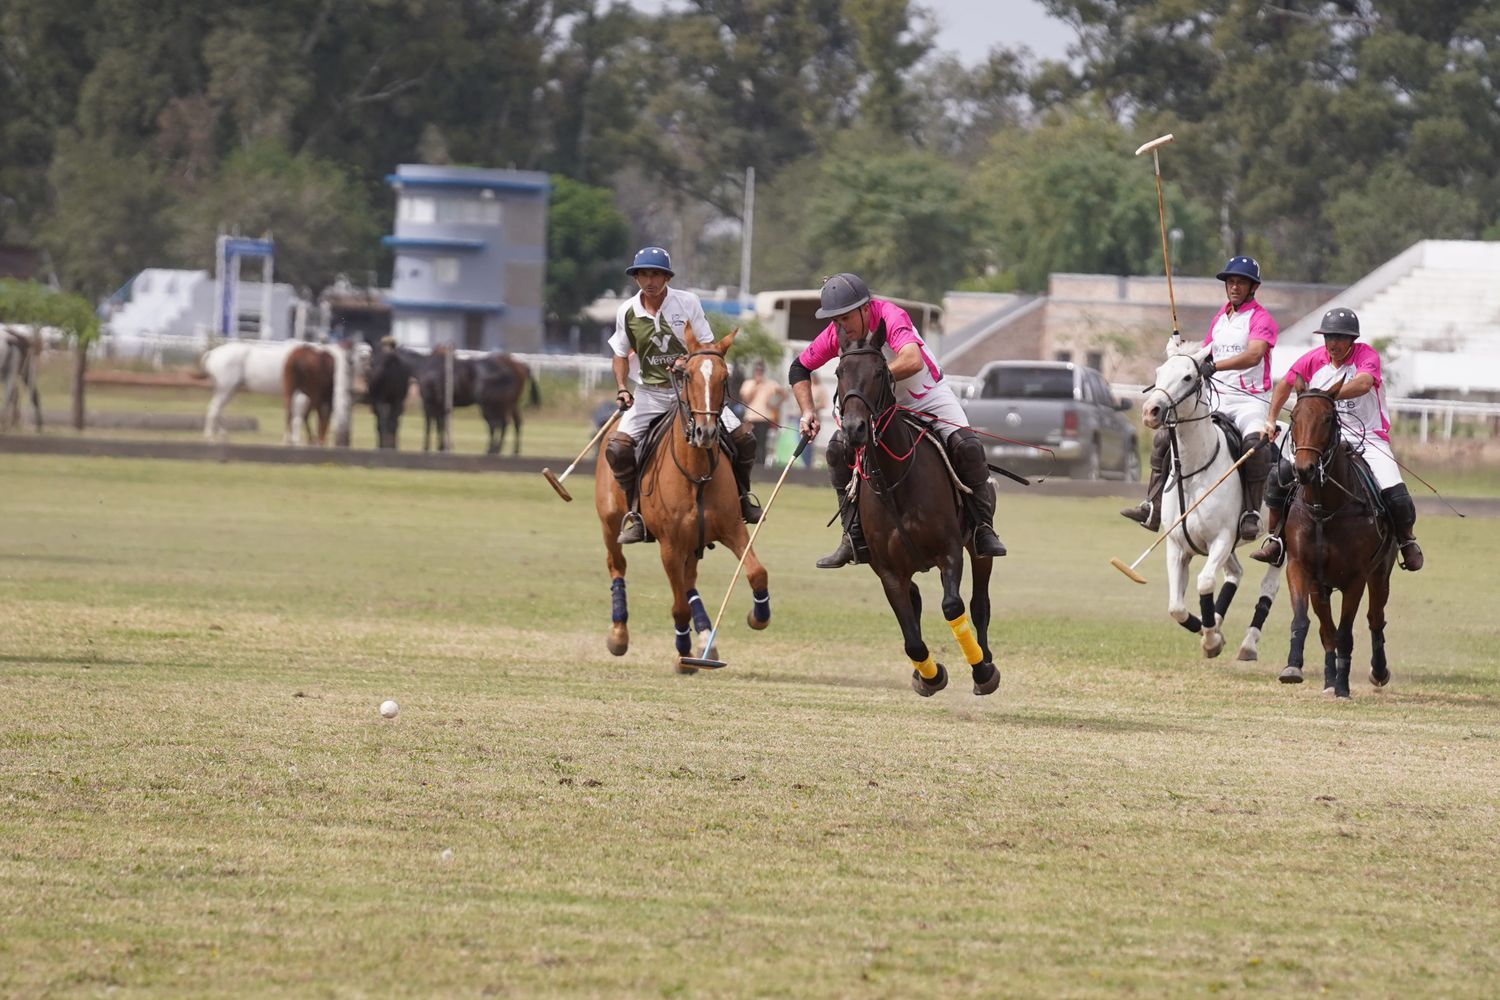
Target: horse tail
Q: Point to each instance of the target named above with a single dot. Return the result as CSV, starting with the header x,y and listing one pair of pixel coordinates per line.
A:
x,y
536,388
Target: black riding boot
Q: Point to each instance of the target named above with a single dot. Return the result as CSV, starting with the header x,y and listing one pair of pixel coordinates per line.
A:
x,y
620,454
1147,513
1253,476
1403,514
973,472
744,461
1278,502
841,472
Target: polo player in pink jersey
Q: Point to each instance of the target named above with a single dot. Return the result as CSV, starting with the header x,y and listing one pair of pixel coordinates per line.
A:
x,y
1363,421
920,386
1242,335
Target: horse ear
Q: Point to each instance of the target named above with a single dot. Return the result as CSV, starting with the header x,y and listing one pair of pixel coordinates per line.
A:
x,y
1202,352
878,340
723,345
1333,390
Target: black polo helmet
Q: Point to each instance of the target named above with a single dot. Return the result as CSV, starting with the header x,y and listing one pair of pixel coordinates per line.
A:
x,y
844,292
1339,322
1245,267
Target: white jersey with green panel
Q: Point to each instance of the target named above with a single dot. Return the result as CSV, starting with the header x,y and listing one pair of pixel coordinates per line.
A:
x,y
651,341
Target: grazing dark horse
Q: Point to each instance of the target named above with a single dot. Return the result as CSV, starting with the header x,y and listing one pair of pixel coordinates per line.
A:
x,y
495,382
689,500
315,379
913,515
1336,538
18,359
388,380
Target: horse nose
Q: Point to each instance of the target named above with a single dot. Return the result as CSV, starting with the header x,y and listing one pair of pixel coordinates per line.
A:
x,y
857,431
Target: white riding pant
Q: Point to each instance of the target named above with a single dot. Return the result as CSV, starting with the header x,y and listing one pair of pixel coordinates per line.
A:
x,y
1248,412
1378,457
651,401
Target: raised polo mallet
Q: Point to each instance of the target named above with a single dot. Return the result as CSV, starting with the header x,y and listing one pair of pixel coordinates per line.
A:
x,y
556,481
704,661
1161,214
1130,570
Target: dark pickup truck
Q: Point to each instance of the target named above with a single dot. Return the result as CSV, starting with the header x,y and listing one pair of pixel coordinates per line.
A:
x,y
1057,405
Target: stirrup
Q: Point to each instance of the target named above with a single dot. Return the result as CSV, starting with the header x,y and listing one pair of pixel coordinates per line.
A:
x,y
987,543
632,529
1411,561
1249,525
750,508
1272,550
841,556
1145,514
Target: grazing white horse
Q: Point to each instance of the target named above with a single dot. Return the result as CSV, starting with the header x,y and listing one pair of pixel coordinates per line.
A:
x,y
258,366
1200,456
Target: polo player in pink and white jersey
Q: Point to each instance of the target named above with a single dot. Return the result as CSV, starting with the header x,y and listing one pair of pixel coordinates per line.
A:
x,y
1364,422
919,385
1242,335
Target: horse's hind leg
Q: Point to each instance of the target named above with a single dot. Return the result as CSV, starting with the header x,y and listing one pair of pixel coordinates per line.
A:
x,y
759,615
1380,591
212,425
962,624
927,676
1344,643
985,680
1319,596
1269,584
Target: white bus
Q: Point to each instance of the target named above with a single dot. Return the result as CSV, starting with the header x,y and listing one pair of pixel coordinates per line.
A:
x,y
789,315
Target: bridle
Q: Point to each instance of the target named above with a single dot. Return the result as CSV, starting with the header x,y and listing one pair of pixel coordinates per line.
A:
x,y
1325,452
1194,389
685,405
886,394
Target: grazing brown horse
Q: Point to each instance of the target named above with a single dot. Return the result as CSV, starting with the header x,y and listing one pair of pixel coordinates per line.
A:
x,y
912,514
495,382
1336,538
320,376
689,500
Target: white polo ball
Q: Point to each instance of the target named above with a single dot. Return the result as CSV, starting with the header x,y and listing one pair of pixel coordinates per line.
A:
x,y
389,709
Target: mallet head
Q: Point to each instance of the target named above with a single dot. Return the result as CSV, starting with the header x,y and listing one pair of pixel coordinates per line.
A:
x,y
557,485
1156,143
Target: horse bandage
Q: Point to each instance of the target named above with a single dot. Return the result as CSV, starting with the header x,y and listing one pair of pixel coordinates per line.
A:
x,y
926,668
967,640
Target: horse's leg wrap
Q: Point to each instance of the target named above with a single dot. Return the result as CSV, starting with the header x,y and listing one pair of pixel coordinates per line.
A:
x,y
926,668
1226,597
968,641
1206,609
684,638
1147,513
620,454
1403,514
969,463
701,620
619,611
1192,624
743,440
1262,610
761,605
1330,670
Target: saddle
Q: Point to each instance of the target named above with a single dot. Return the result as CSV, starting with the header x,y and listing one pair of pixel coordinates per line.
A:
x,y
656,433
927,431
1370,490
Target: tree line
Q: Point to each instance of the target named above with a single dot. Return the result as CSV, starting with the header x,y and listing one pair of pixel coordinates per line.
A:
x,y
1321,137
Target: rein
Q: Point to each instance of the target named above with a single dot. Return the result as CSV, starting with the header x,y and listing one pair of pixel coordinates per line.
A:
x,y
884,421
1171,422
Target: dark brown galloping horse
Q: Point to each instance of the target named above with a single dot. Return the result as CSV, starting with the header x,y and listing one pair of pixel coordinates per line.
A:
x,y
912,514
688,499
1337,538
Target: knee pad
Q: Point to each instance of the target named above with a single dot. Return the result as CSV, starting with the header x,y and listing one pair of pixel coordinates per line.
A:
x,y
744,442
620,454
1279,486
965,447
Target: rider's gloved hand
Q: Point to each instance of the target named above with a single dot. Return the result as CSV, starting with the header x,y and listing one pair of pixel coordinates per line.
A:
x,y
1207,367
624,399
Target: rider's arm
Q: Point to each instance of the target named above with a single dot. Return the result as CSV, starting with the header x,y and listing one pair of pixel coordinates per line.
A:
x,y
1279,396
907,362
1357,386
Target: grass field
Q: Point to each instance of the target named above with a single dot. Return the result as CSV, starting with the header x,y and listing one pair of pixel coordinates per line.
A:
x,y
201,798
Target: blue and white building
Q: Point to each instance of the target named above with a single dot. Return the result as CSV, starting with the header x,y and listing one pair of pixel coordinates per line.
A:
x,y
471,249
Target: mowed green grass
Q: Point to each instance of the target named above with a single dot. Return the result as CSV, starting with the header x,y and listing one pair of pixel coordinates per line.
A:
x,y
200,796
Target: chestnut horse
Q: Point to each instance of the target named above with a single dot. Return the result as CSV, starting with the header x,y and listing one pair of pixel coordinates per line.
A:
x,y
912,514
1336,538
316,379
688,501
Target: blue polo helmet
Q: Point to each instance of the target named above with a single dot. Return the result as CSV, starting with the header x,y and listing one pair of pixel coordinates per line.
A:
x,y
651,258
1245,267
844,292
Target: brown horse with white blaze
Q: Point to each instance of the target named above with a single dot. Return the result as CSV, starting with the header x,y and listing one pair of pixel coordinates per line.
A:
x,y
688,500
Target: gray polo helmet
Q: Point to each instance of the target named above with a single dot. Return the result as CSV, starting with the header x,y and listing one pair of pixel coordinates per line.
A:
x,y
651,259
844,292
1245,267
1340,322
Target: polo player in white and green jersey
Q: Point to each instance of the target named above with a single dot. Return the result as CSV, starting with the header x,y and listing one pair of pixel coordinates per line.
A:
x,y
651,330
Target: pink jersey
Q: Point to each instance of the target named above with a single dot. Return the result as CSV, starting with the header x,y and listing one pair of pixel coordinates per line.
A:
x,y
1362,414
1230,334
898,333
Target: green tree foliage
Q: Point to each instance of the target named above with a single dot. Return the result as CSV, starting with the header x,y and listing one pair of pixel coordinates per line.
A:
x,y
33,304
586,239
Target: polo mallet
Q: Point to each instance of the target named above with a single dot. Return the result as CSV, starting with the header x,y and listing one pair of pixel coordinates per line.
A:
x,y
1130,570
1161,213
704,661
556,481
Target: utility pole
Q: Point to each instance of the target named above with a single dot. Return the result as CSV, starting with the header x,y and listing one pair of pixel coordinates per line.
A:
x,y
747,237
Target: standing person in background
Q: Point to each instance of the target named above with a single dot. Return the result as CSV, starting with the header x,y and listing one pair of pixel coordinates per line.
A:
x,y
1242,335
1364,422
762,398
652,332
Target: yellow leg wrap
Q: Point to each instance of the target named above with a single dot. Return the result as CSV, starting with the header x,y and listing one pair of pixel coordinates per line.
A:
x,y
967,640
926,668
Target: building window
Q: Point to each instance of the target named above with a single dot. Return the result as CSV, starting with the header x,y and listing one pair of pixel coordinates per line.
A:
x,y
469,211
1062,355
444,331
413,331
445,270
414,208
1095,360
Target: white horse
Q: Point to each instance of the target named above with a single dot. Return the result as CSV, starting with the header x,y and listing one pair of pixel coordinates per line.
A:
x,y
1200,456
258,366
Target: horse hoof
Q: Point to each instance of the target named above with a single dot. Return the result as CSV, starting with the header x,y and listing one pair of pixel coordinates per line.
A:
x,y
1291,675
1247,653
753,623
618,641
1380,679
1211,650
991,680
683,668
927,688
